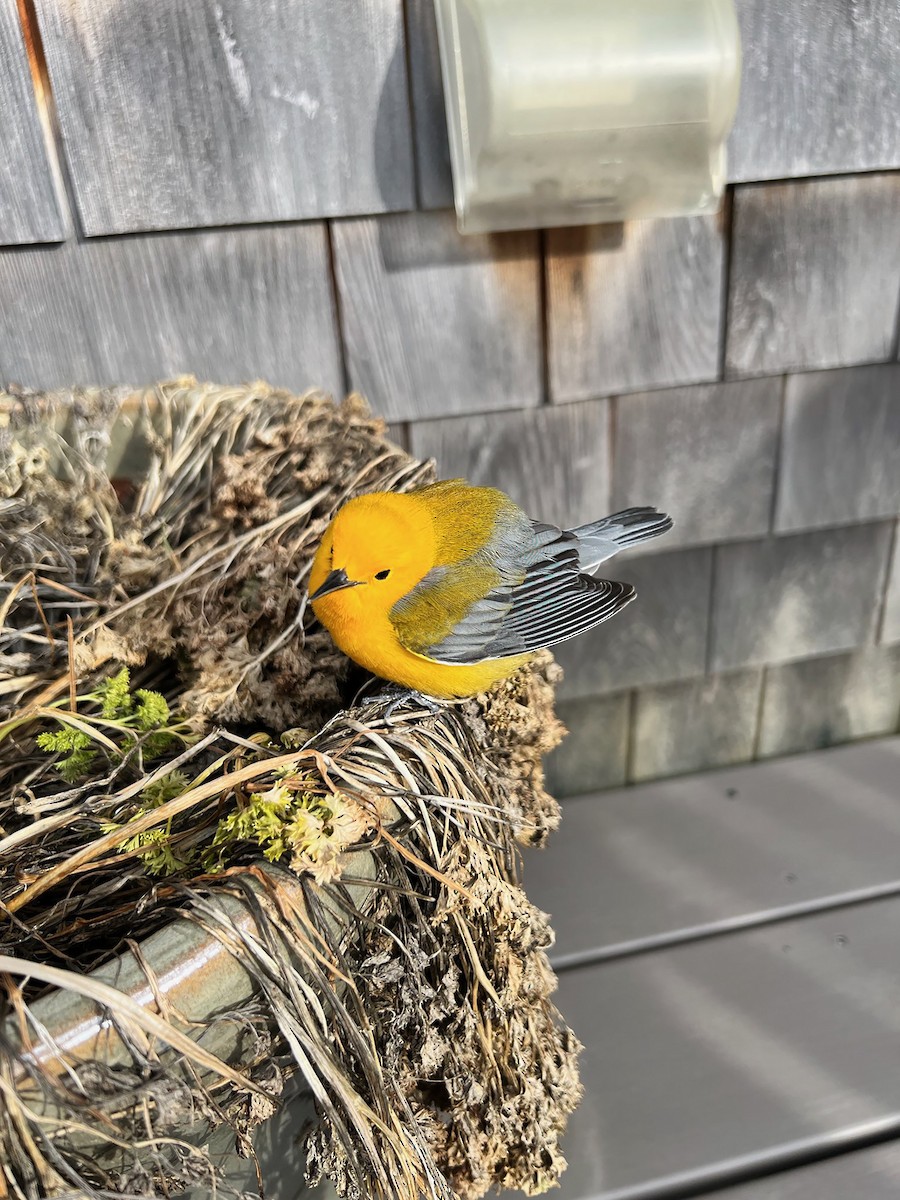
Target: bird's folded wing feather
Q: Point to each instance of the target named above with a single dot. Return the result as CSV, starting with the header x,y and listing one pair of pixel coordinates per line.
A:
x,y
544,599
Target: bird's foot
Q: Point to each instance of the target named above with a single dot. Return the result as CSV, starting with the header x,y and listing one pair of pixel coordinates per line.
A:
x,y
398,697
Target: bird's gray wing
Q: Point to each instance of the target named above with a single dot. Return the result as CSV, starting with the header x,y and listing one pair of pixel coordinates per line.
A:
x,y
600,540
547,600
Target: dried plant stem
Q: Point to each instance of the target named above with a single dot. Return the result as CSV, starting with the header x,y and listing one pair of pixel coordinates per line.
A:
x,y
111,841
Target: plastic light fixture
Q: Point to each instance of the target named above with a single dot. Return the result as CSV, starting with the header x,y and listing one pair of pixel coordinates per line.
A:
x,y
572,112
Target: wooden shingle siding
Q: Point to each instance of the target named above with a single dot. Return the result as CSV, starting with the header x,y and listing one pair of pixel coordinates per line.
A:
x,y
436,323
706,455
824,701
594,752
890,624
633,306
815,274
226,111
820,92
681,727
660,637
554,462
29,208
435,183
797,596
227,305
634,867
398,432
840,458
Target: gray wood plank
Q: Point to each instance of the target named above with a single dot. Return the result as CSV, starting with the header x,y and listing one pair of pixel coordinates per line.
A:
x,y
840,447
815,274
398,432
890,623
29,207
871,1174
221,112
799,595
824,701
429,115
554,462
692,726
704,1060
436,323
737,845
659,638
633,306
594,752
820,91
704,454
228,305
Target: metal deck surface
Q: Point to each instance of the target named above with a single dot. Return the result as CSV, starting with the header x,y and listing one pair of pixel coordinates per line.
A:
x,y
729,953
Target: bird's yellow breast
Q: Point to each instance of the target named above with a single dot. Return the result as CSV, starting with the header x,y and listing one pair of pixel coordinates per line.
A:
x,y
371,640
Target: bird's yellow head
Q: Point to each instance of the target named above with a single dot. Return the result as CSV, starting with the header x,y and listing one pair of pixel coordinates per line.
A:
x,y
374,552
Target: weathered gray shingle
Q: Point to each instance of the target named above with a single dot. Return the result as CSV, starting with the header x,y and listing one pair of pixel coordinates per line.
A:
x,y
633,306
794,597
819,92
890,626
661,636
227,305
818,703
398,432
815,274
210,114
706,455
437,323
429,118
554,462
29,208
695,725
841,451
593,754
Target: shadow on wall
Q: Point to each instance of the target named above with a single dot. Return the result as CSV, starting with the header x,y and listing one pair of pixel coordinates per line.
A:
x,y
429,241
384,141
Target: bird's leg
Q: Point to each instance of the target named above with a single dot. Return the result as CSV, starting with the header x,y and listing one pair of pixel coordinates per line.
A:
x,y
397,696
412,697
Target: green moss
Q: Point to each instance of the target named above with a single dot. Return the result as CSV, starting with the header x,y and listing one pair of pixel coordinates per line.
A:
x,y
78,749
154,847
115,697
152,710
124,718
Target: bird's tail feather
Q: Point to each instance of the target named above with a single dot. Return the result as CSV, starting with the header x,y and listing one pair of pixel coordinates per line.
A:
x,y
600,540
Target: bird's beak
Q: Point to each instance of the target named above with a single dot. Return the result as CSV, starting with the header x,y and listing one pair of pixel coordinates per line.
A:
x,y
335,582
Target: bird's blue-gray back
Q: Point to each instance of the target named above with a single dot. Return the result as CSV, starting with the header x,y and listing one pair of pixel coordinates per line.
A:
x,y
544,595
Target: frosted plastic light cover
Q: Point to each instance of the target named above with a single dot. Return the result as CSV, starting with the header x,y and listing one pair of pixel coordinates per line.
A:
x,y
572,112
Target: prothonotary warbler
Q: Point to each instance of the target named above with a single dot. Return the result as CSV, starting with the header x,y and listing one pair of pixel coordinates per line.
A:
x,y
448,589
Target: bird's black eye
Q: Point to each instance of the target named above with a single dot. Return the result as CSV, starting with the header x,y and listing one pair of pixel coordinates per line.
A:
x,y
382,574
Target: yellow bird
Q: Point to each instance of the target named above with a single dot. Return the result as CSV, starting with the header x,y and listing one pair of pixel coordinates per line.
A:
x,y
448,589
